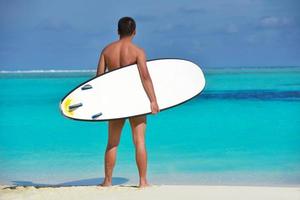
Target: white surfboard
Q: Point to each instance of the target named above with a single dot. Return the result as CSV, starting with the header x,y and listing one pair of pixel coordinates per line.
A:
x,y
119,93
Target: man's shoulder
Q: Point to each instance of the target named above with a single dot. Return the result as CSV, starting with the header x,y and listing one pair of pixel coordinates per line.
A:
x,y
109,46
139,50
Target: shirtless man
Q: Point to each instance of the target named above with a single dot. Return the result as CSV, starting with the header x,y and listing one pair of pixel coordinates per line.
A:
x,y
115,55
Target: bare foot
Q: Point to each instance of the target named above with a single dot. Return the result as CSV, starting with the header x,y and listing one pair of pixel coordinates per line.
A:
x,y
143,184
105,184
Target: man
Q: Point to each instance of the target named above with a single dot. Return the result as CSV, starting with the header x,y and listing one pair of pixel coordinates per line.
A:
x,y
115,55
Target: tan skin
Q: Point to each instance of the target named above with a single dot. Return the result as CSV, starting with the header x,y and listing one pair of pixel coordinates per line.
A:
x,y
121,53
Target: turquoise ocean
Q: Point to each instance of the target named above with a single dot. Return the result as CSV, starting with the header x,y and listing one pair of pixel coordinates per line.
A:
x,y
244,129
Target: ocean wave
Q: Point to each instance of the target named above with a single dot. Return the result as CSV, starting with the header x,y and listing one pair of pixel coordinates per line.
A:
x,y
47,71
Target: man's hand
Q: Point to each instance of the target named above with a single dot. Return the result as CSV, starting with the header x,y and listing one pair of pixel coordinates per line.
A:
x,y
154,107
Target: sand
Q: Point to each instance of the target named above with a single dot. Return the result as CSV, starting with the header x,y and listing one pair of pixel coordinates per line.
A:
x,y
174,192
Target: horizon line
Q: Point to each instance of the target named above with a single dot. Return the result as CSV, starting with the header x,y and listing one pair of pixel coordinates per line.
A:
x,y
94,70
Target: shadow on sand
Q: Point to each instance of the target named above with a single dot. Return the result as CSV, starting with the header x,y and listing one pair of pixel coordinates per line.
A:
x,y
82,182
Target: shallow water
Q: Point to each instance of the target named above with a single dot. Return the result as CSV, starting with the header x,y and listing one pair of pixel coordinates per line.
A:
x,y
243,129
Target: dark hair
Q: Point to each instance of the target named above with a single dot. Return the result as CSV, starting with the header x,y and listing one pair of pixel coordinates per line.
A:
x,y
126,26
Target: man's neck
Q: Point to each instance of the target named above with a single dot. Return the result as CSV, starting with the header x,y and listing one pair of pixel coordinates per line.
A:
x,y
126,38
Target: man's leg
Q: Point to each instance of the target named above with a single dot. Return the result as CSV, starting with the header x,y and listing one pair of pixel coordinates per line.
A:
x,y
114,132
138,127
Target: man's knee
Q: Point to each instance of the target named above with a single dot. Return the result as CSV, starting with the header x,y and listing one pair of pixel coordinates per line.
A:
x,y
112,144
139,141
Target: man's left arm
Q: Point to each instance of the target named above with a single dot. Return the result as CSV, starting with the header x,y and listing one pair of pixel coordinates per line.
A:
x,y
101,65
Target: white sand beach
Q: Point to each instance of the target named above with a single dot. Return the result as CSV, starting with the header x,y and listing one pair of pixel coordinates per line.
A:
x,y
127,192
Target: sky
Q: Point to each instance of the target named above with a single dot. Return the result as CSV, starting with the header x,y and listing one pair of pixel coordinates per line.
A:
x,y
70,34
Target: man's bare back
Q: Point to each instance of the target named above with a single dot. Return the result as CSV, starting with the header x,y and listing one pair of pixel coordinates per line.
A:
x,y
115,55
121,53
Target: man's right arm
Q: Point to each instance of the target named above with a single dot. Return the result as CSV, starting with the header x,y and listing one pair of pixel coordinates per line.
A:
x,y
101,65
146,80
